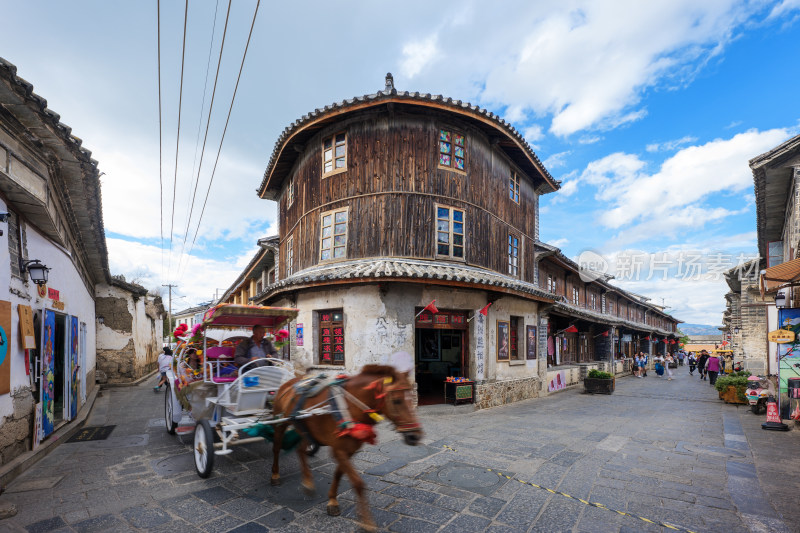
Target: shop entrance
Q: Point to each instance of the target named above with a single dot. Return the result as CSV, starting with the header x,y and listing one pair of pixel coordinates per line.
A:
x,y
59,356
440,350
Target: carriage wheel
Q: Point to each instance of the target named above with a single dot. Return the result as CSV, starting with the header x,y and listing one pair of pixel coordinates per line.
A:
x,y
203,448
169,421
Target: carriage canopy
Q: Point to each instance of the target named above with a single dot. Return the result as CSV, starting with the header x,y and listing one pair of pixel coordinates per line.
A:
x,y
239,316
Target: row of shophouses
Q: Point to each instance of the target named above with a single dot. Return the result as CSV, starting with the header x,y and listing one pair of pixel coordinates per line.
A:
x,y
65,322
392,201
763,296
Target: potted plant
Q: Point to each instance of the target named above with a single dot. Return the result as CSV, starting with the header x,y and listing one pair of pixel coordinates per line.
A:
x,y
599,382
732,388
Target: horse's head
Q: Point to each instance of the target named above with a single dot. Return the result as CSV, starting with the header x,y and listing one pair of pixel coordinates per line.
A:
x,y
393,391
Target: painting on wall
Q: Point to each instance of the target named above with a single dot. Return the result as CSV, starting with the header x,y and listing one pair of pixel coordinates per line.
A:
x,y
73,368
503,340
5,348
530,342
48,371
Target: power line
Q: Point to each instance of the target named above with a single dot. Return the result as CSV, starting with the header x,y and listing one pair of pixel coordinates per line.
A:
x,y
230,109
160,179
205,136
178,138
200,122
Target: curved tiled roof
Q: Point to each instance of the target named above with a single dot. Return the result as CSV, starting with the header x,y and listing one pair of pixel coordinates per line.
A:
x,y
580,312
83,195
390,94
404,268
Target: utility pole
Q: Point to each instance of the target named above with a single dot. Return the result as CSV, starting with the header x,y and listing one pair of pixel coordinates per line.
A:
x,y
169,312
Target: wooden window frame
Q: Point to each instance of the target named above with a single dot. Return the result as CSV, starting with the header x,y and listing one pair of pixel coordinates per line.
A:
x,y
290,256
334,144
513,187
576,298
332,213
16,246
332,340
451,233
290,193
514,268
452,132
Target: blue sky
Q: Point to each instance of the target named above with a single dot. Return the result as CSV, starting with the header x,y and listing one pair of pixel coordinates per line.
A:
x,y
648,112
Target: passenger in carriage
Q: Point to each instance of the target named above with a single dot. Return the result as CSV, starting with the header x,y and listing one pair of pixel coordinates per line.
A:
x,y
256,347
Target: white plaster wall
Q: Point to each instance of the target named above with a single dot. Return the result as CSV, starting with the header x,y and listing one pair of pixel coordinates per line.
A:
x,y
380,321
144,331
63,277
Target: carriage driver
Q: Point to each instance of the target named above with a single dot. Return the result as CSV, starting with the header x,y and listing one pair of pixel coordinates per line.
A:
x,y
256,347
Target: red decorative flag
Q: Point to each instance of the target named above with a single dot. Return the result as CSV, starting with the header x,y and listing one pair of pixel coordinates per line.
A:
x,y
605,333
646,339
485,310
571,329
431,307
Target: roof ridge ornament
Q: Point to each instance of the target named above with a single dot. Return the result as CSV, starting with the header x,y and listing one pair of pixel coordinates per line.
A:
x,y
389,87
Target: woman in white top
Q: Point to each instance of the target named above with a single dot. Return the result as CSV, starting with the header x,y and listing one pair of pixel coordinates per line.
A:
x,y
668,360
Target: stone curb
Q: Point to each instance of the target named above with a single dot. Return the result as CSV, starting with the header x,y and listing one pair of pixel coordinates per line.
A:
x,y
20,464
130,384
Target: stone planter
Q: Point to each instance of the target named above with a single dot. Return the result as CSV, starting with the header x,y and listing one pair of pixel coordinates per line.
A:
x,y
730,395
599,386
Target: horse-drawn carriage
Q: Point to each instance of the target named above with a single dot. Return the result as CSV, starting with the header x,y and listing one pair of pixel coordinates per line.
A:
x,y
209,395
227,406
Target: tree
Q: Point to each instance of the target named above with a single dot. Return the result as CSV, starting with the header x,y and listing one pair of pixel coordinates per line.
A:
x,y
683,338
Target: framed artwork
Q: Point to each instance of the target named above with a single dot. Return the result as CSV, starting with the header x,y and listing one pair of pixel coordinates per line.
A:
x,y
503,340
429,345
530,342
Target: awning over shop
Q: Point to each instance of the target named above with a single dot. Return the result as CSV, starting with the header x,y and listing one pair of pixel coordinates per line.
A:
x,y
774,278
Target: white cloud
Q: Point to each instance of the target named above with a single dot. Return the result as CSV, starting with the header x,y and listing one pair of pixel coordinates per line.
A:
x,y
785,7
417,55
533,133
202,277
670,145
558,243
672,198
557,160
598,58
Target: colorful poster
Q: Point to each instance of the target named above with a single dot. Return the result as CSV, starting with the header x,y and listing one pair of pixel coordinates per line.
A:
x,y
788,356
299,335
73,368
5,348
480,346
559,382
48,371
530,351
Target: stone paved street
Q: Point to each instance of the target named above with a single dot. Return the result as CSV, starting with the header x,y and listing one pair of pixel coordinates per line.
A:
x,y
666,451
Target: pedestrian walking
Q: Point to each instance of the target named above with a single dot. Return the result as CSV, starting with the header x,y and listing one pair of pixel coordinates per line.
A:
x,y
164,364
669,360
712,369
681,357
636,369
692,363
701,364
645,358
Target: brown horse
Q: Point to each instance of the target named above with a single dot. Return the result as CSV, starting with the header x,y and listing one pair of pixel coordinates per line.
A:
x,y
377,389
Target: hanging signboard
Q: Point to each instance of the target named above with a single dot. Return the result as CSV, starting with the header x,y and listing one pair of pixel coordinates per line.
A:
x,y
781,336
26,330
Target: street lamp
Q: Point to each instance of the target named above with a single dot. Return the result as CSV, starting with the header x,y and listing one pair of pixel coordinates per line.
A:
x,y
37,271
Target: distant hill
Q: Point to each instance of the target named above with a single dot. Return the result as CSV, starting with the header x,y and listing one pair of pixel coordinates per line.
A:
x,y
699,329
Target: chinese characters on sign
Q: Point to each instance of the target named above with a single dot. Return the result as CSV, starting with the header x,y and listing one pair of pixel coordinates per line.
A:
x,y
480,347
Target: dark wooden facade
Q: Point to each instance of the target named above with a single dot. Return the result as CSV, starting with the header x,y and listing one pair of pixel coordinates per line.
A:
x,y
392,185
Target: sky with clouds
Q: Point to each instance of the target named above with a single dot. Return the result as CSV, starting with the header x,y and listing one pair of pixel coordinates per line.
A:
x,y
647,111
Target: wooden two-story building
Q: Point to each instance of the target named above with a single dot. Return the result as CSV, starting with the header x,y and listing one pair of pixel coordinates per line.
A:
x,y
391,201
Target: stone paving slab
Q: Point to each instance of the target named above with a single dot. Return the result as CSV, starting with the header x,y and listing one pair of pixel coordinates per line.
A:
x,y
685,458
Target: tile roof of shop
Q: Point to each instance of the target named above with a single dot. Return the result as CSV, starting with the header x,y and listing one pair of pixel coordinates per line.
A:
x,y
580,312
405,268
